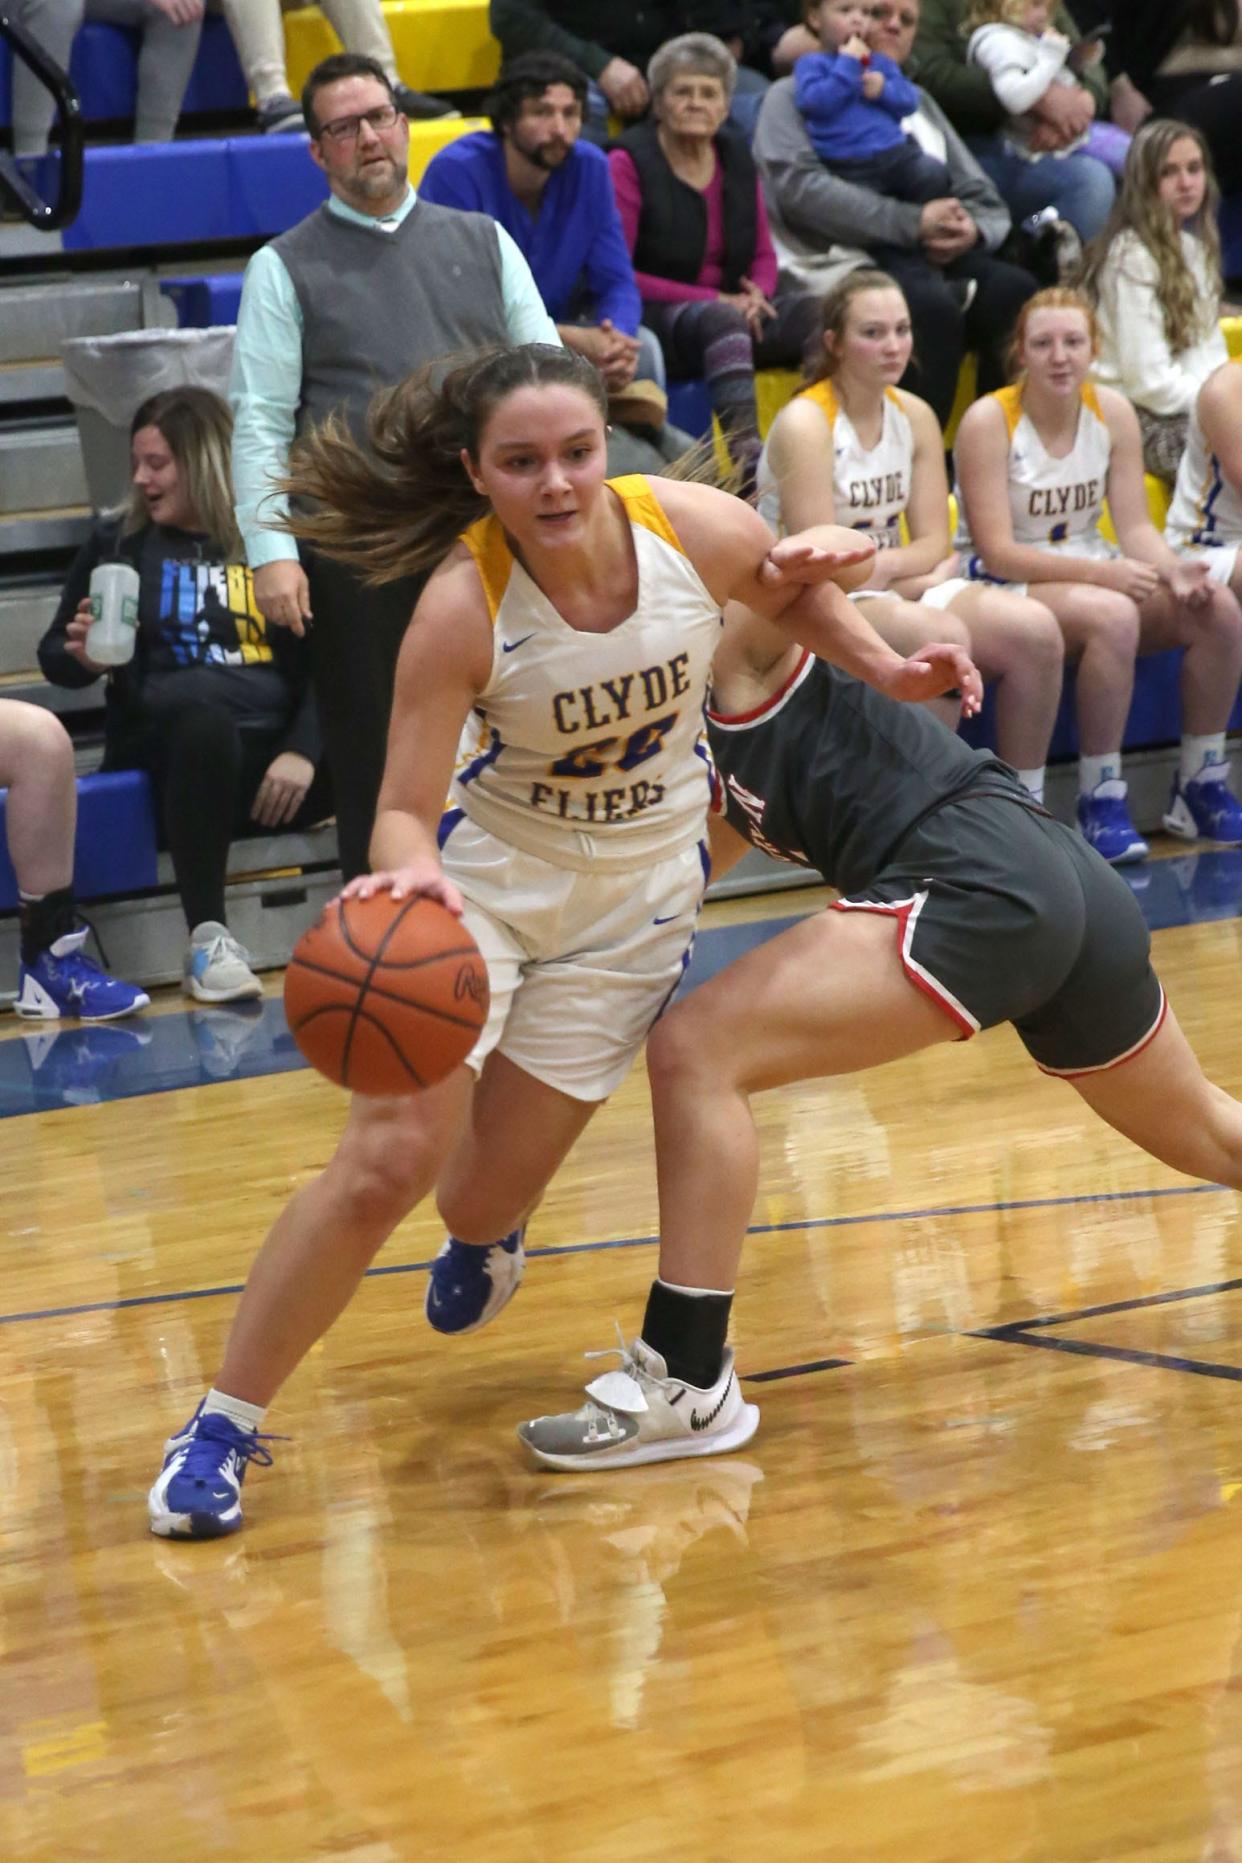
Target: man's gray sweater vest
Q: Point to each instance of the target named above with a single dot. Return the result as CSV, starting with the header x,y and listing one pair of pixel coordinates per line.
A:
x,y
377,305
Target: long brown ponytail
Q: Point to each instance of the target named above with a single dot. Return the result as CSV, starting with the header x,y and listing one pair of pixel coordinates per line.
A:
x,y
396,505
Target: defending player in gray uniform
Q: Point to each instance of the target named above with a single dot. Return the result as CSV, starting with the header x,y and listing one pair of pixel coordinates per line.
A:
x,y
963,905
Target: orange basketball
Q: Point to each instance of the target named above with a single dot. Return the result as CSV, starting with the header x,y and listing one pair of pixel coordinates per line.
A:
x,y
386,995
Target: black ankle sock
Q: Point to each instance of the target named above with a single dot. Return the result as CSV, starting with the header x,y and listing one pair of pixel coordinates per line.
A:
x,y
45,920
688,1331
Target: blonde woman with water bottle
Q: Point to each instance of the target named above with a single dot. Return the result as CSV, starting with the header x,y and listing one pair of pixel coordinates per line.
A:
x,y
161,602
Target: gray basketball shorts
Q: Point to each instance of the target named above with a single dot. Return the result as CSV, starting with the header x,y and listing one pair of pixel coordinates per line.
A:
x,y
1004,915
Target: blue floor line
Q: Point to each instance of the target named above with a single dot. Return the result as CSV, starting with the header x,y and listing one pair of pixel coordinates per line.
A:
x,y
48,1067
929,1213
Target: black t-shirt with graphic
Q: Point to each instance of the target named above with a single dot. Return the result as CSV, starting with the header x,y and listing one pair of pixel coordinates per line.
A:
x,y
195,610
200,636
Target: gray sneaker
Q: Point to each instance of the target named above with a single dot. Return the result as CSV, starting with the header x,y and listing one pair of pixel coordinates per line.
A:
x,y
640,1414
216,968
281,116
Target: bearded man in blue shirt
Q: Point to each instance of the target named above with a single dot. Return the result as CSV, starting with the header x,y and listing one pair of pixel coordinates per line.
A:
x,y
552,193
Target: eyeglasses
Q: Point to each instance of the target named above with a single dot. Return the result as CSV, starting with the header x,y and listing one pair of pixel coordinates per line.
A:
x,y
890,15
346,128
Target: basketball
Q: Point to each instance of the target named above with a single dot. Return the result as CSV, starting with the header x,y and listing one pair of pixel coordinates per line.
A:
x,y
386,995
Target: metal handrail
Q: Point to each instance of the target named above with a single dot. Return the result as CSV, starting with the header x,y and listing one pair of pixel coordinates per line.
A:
x,y
13,183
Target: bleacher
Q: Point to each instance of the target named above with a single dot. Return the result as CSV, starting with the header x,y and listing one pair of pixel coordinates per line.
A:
x,y
160,242
162,237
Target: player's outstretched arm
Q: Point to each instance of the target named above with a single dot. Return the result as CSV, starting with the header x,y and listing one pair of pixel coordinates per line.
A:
x,y
445,662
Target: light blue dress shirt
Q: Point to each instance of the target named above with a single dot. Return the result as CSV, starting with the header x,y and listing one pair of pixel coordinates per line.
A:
x,y
266,387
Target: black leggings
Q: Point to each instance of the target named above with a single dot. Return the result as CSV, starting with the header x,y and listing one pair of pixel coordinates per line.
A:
x,y
944,329
206,770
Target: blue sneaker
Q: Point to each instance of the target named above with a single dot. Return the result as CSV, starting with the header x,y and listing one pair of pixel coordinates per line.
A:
x,y
1104,822
76,1067
64,982
198,1493
469,1285
1206,809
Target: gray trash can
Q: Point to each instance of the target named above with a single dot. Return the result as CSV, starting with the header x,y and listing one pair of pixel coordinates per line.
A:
x,y
106,378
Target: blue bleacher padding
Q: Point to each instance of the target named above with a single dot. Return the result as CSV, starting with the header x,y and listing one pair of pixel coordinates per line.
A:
x,y
104,69
690,407
179,193
207,302
1230,221
1155,712
115,850
216,82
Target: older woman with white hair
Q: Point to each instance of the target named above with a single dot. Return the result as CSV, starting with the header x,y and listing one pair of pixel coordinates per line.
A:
x,y
695,222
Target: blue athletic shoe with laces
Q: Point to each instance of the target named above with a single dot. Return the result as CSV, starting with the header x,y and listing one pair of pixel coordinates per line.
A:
x,y
64,982
1104,822
198,1493
1206,809
469,1285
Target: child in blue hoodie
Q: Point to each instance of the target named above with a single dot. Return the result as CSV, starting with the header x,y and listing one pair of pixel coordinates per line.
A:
x,y
854,100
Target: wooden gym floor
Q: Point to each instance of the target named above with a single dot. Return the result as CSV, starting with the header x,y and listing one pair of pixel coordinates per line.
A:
x,y
974,1592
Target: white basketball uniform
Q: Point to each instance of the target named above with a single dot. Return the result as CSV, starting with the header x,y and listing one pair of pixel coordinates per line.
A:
x,y
1055,504
1205,515
577,812
870,485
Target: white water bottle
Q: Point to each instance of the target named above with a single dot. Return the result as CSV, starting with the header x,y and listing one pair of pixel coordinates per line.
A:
x,y
114,608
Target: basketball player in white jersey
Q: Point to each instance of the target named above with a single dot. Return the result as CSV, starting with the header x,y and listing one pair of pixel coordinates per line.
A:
x,y
570,632
853,448
1035,463
1205,516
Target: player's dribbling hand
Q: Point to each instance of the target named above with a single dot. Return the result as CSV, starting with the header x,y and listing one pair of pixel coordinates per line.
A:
x,y
937,668
404,882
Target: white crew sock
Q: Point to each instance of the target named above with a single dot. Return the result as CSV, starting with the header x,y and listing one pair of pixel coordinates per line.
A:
x,y
1034,781
1092,771
697,1293
1198,753
245,1416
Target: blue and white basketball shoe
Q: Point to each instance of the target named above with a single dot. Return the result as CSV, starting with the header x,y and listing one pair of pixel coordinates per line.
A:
x,y
1206,809
198,1493
1104,823
62,981
469,1285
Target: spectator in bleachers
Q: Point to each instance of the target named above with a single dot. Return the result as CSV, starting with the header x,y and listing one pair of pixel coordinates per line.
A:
x,y
1179,58
1154,278
1080,190
552,193
1035,463
258,33
1023,56
353,298
854,102
169,31
943,253
853,448
634,34
696,226
55,977
1205,516
753,30
213,706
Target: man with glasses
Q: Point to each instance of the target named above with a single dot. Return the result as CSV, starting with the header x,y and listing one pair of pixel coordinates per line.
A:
x,y
370,286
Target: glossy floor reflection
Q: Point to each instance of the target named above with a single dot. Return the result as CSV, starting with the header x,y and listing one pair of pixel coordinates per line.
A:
x,y
964,1598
